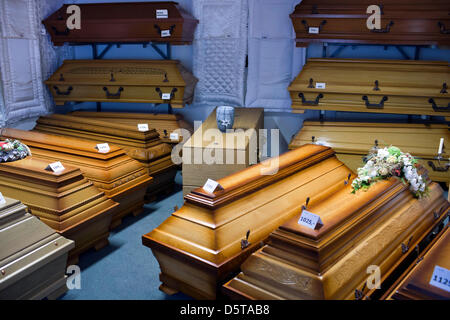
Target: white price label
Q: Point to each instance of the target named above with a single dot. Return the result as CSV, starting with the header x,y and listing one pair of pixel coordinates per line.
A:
x,y
211,186
143,127
321,85
162,14
2,199
441,278
56,167
314,30
103,148
174,136
309,219
166,96
165,33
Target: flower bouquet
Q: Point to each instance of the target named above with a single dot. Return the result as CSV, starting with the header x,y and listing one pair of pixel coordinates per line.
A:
x,y
390,162
12,150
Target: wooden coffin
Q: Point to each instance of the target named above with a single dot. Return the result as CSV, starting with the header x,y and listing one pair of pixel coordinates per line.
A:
x,y
32,256
352,141
140,81
164,124
123,22
203,243
145,147
378,227
380,86
417,284
121,178
232,151
66,201
402,22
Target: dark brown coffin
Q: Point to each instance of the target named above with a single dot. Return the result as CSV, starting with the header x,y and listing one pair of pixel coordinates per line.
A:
x,y
123,22
402,22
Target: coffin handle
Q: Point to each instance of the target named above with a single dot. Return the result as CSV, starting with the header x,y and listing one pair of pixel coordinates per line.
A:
x,y
443,30
438,109
158,28
65,93
244,242
305,23
172,93
439,168
405,247
375,105
110,95
310,103
385,30
61,33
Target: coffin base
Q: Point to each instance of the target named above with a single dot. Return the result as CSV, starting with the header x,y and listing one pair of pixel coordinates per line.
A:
x,y
163,184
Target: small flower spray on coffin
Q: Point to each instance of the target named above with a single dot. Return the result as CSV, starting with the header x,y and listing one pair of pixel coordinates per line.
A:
x,y
12,150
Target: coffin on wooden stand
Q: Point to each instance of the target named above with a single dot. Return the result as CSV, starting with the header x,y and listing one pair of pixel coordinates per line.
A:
x,y
121,178
203,243
66,201
381,86
146,147
352,141
32,256
377,227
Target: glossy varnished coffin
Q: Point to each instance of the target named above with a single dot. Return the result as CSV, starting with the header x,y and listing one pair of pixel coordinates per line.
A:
x,y
201,245
402,22
123,22
66,201
32,256
352,141
378,86
375,227
145,147
121,178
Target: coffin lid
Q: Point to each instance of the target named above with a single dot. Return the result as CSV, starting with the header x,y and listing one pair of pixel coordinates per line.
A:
x,y
249,180
420,140
358,76
124,72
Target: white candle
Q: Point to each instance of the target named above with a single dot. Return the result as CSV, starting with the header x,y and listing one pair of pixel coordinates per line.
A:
x,y
441,146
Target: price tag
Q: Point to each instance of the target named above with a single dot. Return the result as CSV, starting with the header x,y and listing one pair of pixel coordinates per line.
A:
x,y
309,219
103,148
211,186
166,96
162,14
441,278
314,30
321,85
55,167
174,136
143,127
2,199
165,33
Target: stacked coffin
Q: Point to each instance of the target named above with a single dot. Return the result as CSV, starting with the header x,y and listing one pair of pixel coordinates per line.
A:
x,y
402,22
362,233
203,243
124,22
381,86
121,178
65,200
32,256
169,126
145,147
352,141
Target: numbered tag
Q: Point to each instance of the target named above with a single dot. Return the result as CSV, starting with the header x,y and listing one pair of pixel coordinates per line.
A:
x,y
166,96
2,199
165,33
143,127
103,148
55,167
310,220
211,186
441,278
162,14
314,30
321,85
174,136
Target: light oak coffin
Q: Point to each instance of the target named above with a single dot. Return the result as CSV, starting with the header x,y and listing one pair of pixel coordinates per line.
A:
x,y
141,81
401,22
241,147
379,86
123,22
32,256
121,178
352,141
203,243
370,228
66,201
145,147
416,284
164,124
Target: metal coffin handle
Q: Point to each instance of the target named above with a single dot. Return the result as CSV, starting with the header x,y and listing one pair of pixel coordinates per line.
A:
x,y
385,30
158,28
61,33
436,108
172,93
110,95
443,30
308,102
65,93
375,105
307,26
